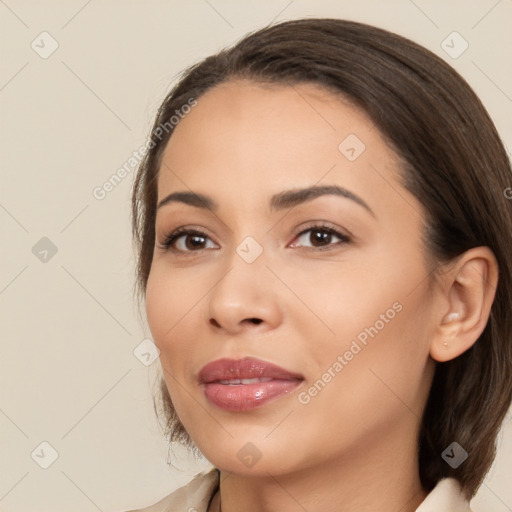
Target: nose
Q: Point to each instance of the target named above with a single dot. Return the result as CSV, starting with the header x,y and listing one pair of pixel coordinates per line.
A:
x,y
245,299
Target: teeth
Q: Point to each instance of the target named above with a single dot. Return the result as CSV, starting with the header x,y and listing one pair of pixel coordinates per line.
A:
x,y
235,382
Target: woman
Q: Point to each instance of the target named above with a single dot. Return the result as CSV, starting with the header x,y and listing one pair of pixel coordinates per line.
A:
x,y
323,240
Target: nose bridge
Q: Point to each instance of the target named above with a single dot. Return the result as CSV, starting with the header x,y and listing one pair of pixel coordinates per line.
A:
x,y
245,291
247,278
250,250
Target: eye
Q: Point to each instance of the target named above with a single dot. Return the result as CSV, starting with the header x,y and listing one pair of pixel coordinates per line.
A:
x,y
187,240
184,240
321,237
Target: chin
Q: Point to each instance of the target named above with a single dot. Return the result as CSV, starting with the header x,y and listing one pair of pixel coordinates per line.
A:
x,y
251,455
262,467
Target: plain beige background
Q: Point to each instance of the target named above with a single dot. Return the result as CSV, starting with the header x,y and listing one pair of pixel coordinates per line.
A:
x,y
69,371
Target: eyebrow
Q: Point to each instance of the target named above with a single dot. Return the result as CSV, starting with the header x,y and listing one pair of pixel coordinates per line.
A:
x,y
281,201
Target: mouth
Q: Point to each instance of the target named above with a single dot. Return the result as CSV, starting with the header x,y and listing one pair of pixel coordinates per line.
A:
x,y
245,384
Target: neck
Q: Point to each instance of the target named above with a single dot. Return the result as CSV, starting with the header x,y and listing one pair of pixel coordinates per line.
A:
x,y
381,476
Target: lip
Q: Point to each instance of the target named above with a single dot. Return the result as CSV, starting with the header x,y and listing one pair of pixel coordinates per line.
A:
x,y
222,382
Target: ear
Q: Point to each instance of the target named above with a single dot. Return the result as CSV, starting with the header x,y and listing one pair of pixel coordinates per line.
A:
x,y
469,287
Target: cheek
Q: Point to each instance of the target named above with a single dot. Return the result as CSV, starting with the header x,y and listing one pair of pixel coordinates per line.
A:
x,y
157,307
174,303
377,310
384,349
377,383
168,299
164,309
349,297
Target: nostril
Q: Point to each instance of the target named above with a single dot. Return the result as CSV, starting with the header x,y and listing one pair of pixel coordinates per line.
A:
x,y
256,321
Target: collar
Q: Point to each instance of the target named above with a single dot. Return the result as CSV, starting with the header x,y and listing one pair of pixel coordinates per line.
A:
x,y
200,491
445,496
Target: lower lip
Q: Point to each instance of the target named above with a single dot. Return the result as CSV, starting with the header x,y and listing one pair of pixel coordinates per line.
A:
x,y
244,397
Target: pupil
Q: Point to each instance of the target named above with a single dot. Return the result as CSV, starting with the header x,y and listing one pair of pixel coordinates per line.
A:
x,y
321,236
196,241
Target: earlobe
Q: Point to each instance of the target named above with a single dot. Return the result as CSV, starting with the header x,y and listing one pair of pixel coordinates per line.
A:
x,y
469,288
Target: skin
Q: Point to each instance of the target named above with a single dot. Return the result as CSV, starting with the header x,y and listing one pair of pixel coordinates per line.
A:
x,y
353,446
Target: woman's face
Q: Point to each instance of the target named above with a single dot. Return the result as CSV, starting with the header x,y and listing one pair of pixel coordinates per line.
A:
x,y
332,288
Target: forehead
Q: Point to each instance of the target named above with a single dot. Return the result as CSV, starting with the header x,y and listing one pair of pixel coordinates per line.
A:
x,y
258,139
249,115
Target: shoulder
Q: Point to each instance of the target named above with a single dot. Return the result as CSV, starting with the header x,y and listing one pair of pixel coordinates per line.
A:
x,y
446,496
195,495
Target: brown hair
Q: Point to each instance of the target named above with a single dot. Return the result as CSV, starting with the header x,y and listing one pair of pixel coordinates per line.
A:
x,y
454,163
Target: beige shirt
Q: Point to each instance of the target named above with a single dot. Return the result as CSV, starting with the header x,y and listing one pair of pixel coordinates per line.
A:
x,y
197,494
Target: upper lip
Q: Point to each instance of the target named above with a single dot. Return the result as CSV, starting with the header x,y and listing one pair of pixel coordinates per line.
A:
x,y
247,368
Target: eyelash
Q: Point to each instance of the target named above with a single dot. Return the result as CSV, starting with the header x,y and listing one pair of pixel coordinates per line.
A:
x,y
170,239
